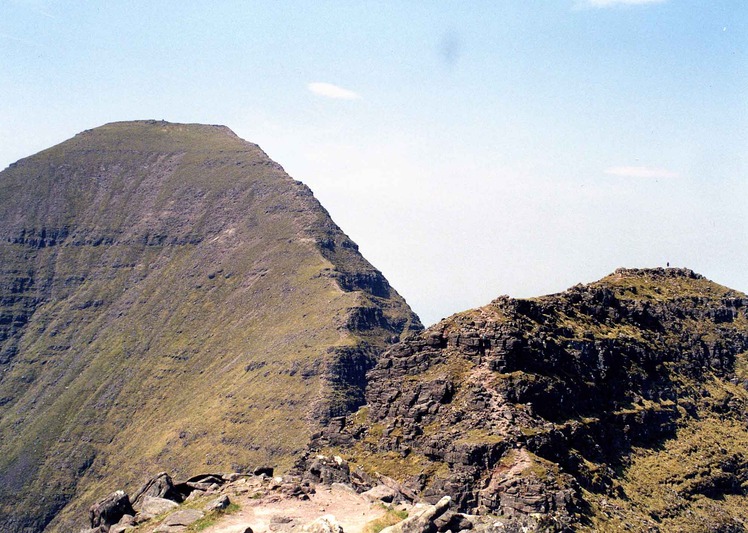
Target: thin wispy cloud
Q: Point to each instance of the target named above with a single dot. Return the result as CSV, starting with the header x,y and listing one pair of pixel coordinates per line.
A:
x,y
328,90
611,3
640,172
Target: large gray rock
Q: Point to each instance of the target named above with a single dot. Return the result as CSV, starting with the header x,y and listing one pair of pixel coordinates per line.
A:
x,y
324,524
451,521
108,511
185,517
127,522
151,507
218,504
159,486
327,470
421,521
381,493
403,492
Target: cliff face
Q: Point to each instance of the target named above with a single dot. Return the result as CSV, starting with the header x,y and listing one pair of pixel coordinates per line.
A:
x,y
169,300
616,405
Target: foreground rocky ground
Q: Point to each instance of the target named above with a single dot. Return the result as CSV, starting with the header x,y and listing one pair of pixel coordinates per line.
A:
x,y
310,502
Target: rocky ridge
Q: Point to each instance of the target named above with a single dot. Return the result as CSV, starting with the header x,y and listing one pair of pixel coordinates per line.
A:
x,y
618,404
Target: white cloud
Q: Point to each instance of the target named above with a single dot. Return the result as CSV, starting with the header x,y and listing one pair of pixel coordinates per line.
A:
x,y
640,172
329,90
609,3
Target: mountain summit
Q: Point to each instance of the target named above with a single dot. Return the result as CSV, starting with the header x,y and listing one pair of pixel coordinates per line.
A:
x,y
170,299
618,405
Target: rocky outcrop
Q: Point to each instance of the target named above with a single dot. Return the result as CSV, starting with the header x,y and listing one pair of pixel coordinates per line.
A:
x,y
110,510
160,497
528,408
160,486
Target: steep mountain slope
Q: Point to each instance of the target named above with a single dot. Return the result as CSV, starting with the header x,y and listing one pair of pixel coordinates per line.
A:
x,y
169,300
619,405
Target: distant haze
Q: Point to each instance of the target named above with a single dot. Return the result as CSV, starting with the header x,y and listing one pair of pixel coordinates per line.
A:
x,y
471,150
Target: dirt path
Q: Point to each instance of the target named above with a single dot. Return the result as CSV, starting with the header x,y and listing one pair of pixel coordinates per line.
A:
x,y
351,510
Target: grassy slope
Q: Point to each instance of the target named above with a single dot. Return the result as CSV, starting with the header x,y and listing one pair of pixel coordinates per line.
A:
x,y
194,338
677,485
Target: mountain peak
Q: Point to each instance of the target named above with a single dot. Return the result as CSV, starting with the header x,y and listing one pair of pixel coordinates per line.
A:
x,y
657,272
553,410
170,299
126,127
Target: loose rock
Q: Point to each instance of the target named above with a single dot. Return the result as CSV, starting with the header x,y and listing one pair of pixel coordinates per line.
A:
x,y
218,504
324,524
159,486
110,510
151,507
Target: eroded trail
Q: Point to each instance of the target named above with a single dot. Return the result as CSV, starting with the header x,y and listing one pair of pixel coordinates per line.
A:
x,y
274,513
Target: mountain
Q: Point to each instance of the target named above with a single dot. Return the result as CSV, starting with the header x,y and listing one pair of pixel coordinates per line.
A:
x,y
170,299
618,405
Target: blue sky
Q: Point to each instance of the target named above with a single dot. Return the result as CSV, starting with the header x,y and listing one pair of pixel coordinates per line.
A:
x,y
472,149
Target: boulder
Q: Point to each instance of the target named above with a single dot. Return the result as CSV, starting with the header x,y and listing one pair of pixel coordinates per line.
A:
x,y
151,507
327,470
343,487
219,504
127,522
234,476
201,482
159,486
421,521
324,524
292,489
207,478
381,493
110,510
404,493
203,487
451,521
184,517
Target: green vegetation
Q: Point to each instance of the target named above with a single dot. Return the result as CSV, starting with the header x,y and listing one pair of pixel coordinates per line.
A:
x,y
479,436
390,518
212,517
675,487
658,285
